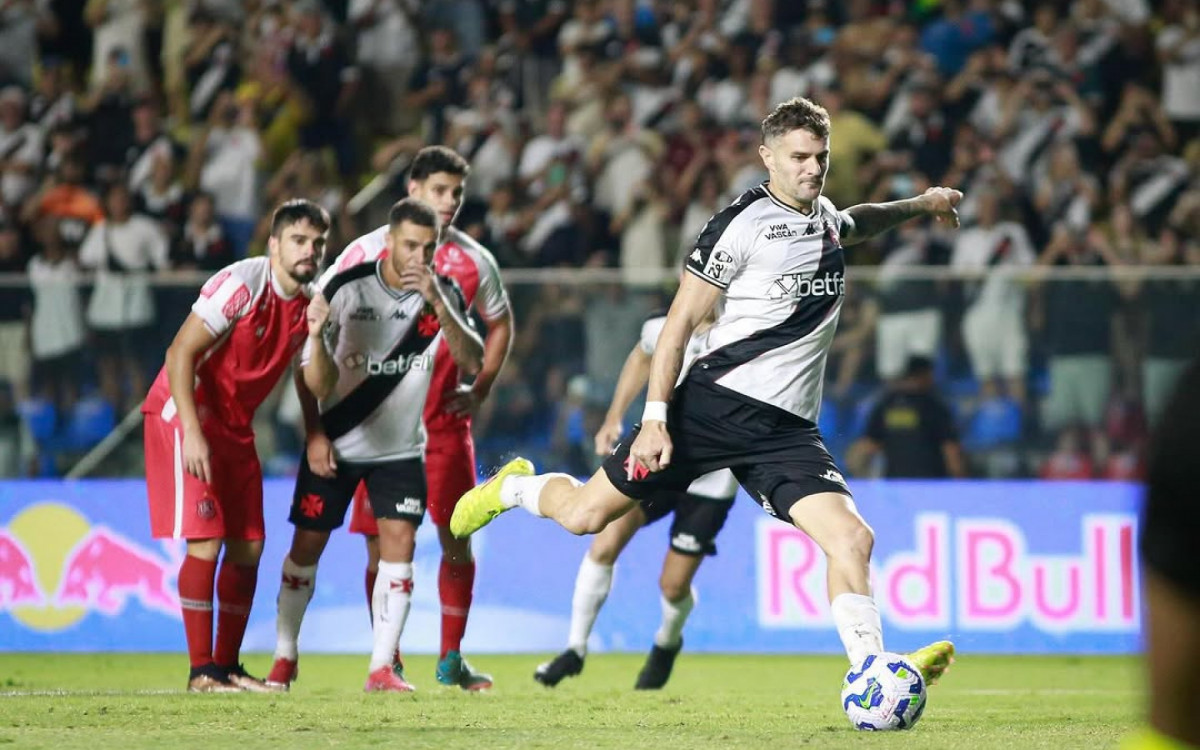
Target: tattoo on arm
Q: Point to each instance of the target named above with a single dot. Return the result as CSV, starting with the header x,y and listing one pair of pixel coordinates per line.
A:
x,y
870,219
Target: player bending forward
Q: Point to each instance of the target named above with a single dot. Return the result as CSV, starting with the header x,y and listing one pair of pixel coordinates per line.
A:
x,y
202,472
369,362
750,402
699,515
437,177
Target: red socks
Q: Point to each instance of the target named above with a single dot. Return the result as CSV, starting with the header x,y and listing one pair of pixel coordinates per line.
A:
x,y
235,592
196,600
455,584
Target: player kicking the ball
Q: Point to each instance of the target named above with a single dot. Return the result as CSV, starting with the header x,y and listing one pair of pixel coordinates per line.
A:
x,y
774,259
202,472
699,515
369,361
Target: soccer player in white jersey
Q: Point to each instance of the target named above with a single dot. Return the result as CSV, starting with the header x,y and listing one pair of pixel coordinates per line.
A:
x,y
369,362
438,177
700,513
774,261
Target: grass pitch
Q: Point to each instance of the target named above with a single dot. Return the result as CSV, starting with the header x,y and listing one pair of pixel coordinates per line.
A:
x,y
713,701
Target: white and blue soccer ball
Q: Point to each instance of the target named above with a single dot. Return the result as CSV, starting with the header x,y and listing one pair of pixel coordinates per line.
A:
x,y
884,692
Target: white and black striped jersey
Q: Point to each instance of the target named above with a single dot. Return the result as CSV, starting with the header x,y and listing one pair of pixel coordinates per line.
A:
x,y
383,342
783,273
718,485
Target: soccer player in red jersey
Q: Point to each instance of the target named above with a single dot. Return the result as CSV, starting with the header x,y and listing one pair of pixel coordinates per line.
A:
x,y
436,177
202,473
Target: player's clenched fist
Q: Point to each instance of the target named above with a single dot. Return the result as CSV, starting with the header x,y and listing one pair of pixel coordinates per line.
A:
x,y
651,448
940,203
606,437
318,313
417,277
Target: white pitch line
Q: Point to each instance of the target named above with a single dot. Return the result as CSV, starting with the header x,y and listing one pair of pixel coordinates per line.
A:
x,y
1047,691
82,693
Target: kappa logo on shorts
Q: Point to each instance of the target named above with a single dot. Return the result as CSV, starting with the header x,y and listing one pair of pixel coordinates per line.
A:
x,y
685,543
411,506
766,505
833,476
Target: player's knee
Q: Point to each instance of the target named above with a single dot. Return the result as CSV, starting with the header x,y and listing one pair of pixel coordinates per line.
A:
x,y
586,521
855,542
603,554
674,589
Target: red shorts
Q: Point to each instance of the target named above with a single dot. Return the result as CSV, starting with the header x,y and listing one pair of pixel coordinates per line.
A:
x,y
449,474
182,506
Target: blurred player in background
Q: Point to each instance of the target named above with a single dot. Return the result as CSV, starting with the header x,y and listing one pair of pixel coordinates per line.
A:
x,y
699,515
202,473
1170,528
437,177
774,262
369,362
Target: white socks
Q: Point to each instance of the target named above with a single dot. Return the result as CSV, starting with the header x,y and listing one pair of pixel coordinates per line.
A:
x,y
389,604
525,491
674,615
857,619
592,585
295,592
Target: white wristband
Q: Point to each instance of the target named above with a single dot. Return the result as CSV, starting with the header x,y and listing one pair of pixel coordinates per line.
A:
x,y
655,411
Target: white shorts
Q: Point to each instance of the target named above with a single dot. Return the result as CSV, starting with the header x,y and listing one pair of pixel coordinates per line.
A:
x,y
903,335
996,342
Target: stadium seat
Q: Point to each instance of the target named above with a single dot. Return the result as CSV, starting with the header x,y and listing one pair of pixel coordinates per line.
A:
x,y
91,421
40,418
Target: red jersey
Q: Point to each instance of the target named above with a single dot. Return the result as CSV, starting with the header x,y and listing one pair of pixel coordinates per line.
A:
x,y
258,330
475,271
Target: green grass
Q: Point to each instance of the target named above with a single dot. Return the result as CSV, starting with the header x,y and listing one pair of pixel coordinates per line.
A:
x,y
719,701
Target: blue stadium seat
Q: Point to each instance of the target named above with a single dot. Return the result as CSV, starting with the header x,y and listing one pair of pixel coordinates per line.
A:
x,y
996,422
91,421
40,418
830,420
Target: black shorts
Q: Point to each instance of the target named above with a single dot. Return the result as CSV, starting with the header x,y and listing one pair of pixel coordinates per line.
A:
x,y
697,520
396,490
1171,518
776,456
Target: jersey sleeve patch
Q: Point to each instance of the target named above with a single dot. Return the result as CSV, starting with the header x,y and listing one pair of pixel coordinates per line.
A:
x,y
223,300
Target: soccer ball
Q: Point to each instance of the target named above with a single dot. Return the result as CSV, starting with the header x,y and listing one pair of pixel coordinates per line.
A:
x,y
885,692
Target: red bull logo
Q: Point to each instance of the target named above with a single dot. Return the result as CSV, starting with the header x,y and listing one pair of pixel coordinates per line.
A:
x,y
56,568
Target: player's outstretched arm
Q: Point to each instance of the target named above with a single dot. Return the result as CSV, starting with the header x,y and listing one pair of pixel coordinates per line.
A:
x,y
866,220
695,298
634,376
193,339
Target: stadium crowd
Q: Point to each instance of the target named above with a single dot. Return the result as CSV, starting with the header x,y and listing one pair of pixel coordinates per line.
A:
x,y
141,142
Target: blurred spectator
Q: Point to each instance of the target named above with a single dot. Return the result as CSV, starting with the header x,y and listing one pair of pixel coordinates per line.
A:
x,y
533,26
1041,109
53,101
109,108
18,39
1070,459
912,429
993,326
223,161
1065,193
57,334
20,147
437,83
202,244
1173,333
320,65
14,316
1076,319
122,249
150,141
388,50
161,196
67,201
118,27
210,61
1178,46
958,33
910,316
857,142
